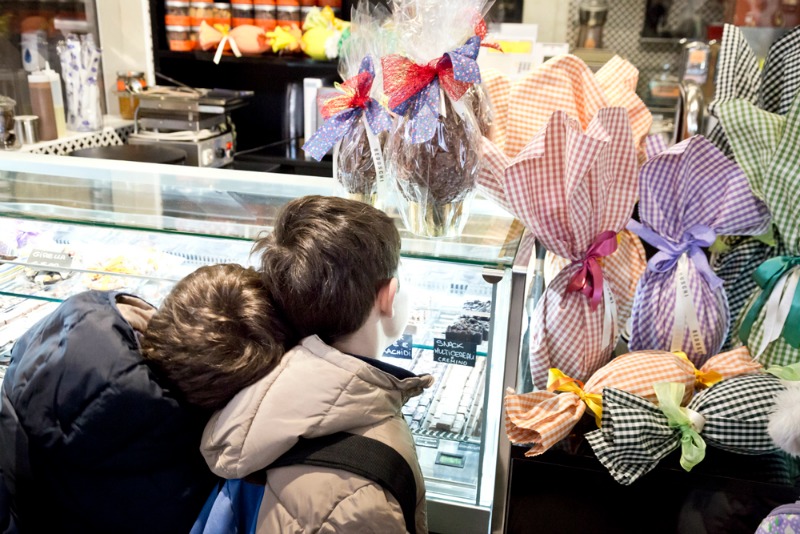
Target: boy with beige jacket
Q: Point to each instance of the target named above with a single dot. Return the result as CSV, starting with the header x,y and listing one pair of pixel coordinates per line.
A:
x,y
330,270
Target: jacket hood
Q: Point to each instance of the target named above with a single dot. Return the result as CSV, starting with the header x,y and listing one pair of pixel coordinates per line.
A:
x,y
314,391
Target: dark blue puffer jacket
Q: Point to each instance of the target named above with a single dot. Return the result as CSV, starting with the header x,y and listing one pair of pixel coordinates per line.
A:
x,y
90,440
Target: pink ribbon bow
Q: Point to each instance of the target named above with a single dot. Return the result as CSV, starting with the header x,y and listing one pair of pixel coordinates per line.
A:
x,y
589,278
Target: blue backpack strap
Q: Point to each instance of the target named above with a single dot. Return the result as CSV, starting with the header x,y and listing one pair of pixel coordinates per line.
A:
x,y
362,456
231,508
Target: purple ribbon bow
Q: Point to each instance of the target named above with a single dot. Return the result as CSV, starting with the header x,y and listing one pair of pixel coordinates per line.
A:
x,y
353,106
669,252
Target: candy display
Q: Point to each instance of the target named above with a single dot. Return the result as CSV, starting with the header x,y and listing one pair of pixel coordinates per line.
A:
x,y
731,415
765,145
543,418
689,194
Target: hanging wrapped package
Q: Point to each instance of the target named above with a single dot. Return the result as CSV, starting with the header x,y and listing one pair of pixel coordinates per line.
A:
x,y
780,79
635,434
689,195
543,418
574,191
734,258
433,152
565,83
767,146
356,122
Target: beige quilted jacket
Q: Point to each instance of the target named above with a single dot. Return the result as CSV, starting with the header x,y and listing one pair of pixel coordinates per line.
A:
x,y
316,391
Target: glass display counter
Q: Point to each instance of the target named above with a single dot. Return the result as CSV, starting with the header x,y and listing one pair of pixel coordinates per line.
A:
x,y
69,224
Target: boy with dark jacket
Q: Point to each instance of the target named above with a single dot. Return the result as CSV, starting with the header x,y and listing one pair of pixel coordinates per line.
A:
x,y
96,438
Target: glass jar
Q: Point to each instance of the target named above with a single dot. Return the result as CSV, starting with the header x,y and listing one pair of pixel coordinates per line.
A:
x,y
181,38
288,15
178,13
242,13
130,83
264,17
200,10
220,14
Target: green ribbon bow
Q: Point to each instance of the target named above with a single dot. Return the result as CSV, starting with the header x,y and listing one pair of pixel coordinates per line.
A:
x,y
693,446
789,373
767,276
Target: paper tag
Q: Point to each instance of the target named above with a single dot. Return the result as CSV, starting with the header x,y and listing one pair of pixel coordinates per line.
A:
x,y
466,446
442,106
460,108
454,352
402,348
57,260
377,154
777,310
685,312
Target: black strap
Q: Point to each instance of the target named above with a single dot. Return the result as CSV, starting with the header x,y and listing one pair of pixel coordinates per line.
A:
x,y
362,456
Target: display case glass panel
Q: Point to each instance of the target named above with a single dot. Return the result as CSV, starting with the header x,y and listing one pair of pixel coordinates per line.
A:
x,y
70,225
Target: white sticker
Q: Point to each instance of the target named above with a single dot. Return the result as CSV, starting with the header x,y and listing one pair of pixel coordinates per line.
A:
x,y
377,154
685,312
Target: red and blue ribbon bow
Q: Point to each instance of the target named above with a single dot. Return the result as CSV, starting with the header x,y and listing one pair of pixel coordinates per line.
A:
x,y
413,86
589,279
343,111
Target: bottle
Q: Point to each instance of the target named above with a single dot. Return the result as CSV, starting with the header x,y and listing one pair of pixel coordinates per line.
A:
x,y
42,102
58,100
591,17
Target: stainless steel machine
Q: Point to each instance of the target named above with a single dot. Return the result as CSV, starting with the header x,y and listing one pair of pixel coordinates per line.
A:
x,y
196,121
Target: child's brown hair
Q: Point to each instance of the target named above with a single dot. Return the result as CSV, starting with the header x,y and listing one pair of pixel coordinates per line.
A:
x,y
325,262
215,333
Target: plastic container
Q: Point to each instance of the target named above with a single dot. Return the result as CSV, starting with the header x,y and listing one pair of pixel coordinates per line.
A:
x,y
178,13
42,102
264,17
58,100
181,38
288,15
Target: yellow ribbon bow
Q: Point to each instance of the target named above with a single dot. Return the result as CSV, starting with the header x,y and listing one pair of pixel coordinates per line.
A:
x,y
704,378
558,381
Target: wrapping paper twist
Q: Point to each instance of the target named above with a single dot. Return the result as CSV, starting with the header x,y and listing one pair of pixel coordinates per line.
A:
x,y
689,194
543,418
636,434
766,146
343,112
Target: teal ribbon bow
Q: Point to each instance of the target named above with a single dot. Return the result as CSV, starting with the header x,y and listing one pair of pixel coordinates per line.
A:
x,y
767,276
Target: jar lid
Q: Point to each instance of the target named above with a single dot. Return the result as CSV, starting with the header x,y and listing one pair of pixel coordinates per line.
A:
x,y
202,2
222,5
263,8
177,3
179,28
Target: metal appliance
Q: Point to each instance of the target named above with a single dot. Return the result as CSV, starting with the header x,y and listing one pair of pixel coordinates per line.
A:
x,y
196,121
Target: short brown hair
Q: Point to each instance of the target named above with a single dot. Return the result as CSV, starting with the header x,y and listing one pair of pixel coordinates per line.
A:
x,y
215,334
325,261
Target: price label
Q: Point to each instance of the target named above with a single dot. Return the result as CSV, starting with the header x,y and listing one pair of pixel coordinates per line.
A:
x,y
454,352
466,446
56,260
426,441
402,348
